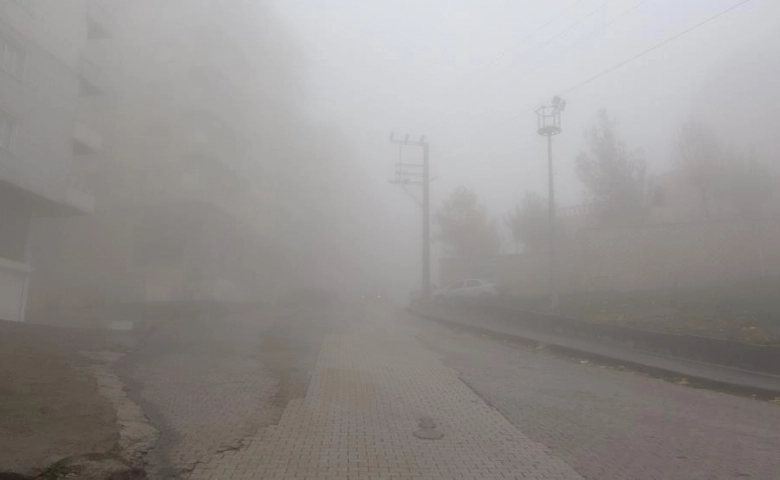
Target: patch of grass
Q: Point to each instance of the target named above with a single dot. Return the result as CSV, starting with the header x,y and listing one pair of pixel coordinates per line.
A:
x,y
746,311
55,471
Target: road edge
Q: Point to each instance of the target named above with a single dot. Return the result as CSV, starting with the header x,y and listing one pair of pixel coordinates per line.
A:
x,y
697,374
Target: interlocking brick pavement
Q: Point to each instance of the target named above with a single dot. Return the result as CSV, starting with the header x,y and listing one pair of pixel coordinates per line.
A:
x,y
372,384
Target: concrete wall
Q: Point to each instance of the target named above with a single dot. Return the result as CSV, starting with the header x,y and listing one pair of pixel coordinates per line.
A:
x,y
529,274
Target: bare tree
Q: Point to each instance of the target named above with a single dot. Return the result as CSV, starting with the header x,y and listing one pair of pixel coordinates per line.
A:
x,y
528,222
465,226
700,156
749,184
735,184
613,176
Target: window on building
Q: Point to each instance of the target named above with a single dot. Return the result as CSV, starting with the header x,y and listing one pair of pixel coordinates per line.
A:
x,y
13,59
8,129
160,242
27,5
14,227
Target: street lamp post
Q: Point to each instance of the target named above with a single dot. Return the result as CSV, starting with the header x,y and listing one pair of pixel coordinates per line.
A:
x,y
548,119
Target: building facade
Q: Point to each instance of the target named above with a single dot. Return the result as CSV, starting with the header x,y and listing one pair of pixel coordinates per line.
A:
x,y
46,73
186,176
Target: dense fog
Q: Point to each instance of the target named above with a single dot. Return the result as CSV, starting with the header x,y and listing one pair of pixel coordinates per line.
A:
x,y
244,145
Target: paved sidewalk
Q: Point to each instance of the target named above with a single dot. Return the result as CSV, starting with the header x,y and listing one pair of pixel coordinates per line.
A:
x,y
372,385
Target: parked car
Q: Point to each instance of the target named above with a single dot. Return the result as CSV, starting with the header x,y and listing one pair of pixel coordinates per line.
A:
x,y
469,289
372,296
487,271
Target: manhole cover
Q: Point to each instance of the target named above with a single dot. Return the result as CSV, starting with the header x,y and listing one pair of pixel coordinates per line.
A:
x,y
428,430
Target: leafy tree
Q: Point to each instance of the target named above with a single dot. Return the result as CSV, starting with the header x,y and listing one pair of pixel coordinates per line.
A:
x,y
528,222
613,176
465,226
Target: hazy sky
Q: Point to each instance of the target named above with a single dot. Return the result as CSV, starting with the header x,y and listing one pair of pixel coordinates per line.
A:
x,y
468,73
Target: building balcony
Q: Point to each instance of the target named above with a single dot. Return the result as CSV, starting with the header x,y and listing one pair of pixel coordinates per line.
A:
x,y
100,23
79,201
92,79
204,196
206,133
86,140
223,108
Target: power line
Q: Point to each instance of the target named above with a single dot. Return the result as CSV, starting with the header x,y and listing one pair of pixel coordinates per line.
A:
x,y
566,30
592,34
624,62
544,44
601,6
654,47
522,41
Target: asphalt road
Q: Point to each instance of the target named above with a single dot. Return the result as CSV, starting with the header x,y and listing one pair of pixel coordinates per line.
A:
x,y
612,424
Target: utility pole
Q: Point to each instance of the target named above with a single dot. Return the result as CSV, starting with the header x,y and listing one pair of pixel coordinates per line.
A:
x,y
411,173
548,124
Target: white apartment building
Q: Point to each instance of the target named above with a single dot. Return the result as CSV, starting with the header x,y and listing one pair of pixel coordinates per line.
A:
x,y
46,73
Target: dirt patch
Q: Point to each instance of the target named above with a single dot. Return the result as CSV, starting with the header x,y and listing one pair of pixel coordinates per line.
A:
x,y
49,405
289,356
93,466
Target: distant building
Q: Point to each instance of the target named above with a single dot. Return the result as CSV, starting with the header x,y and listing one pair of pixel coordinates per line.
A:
x,y
181,190
47,73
